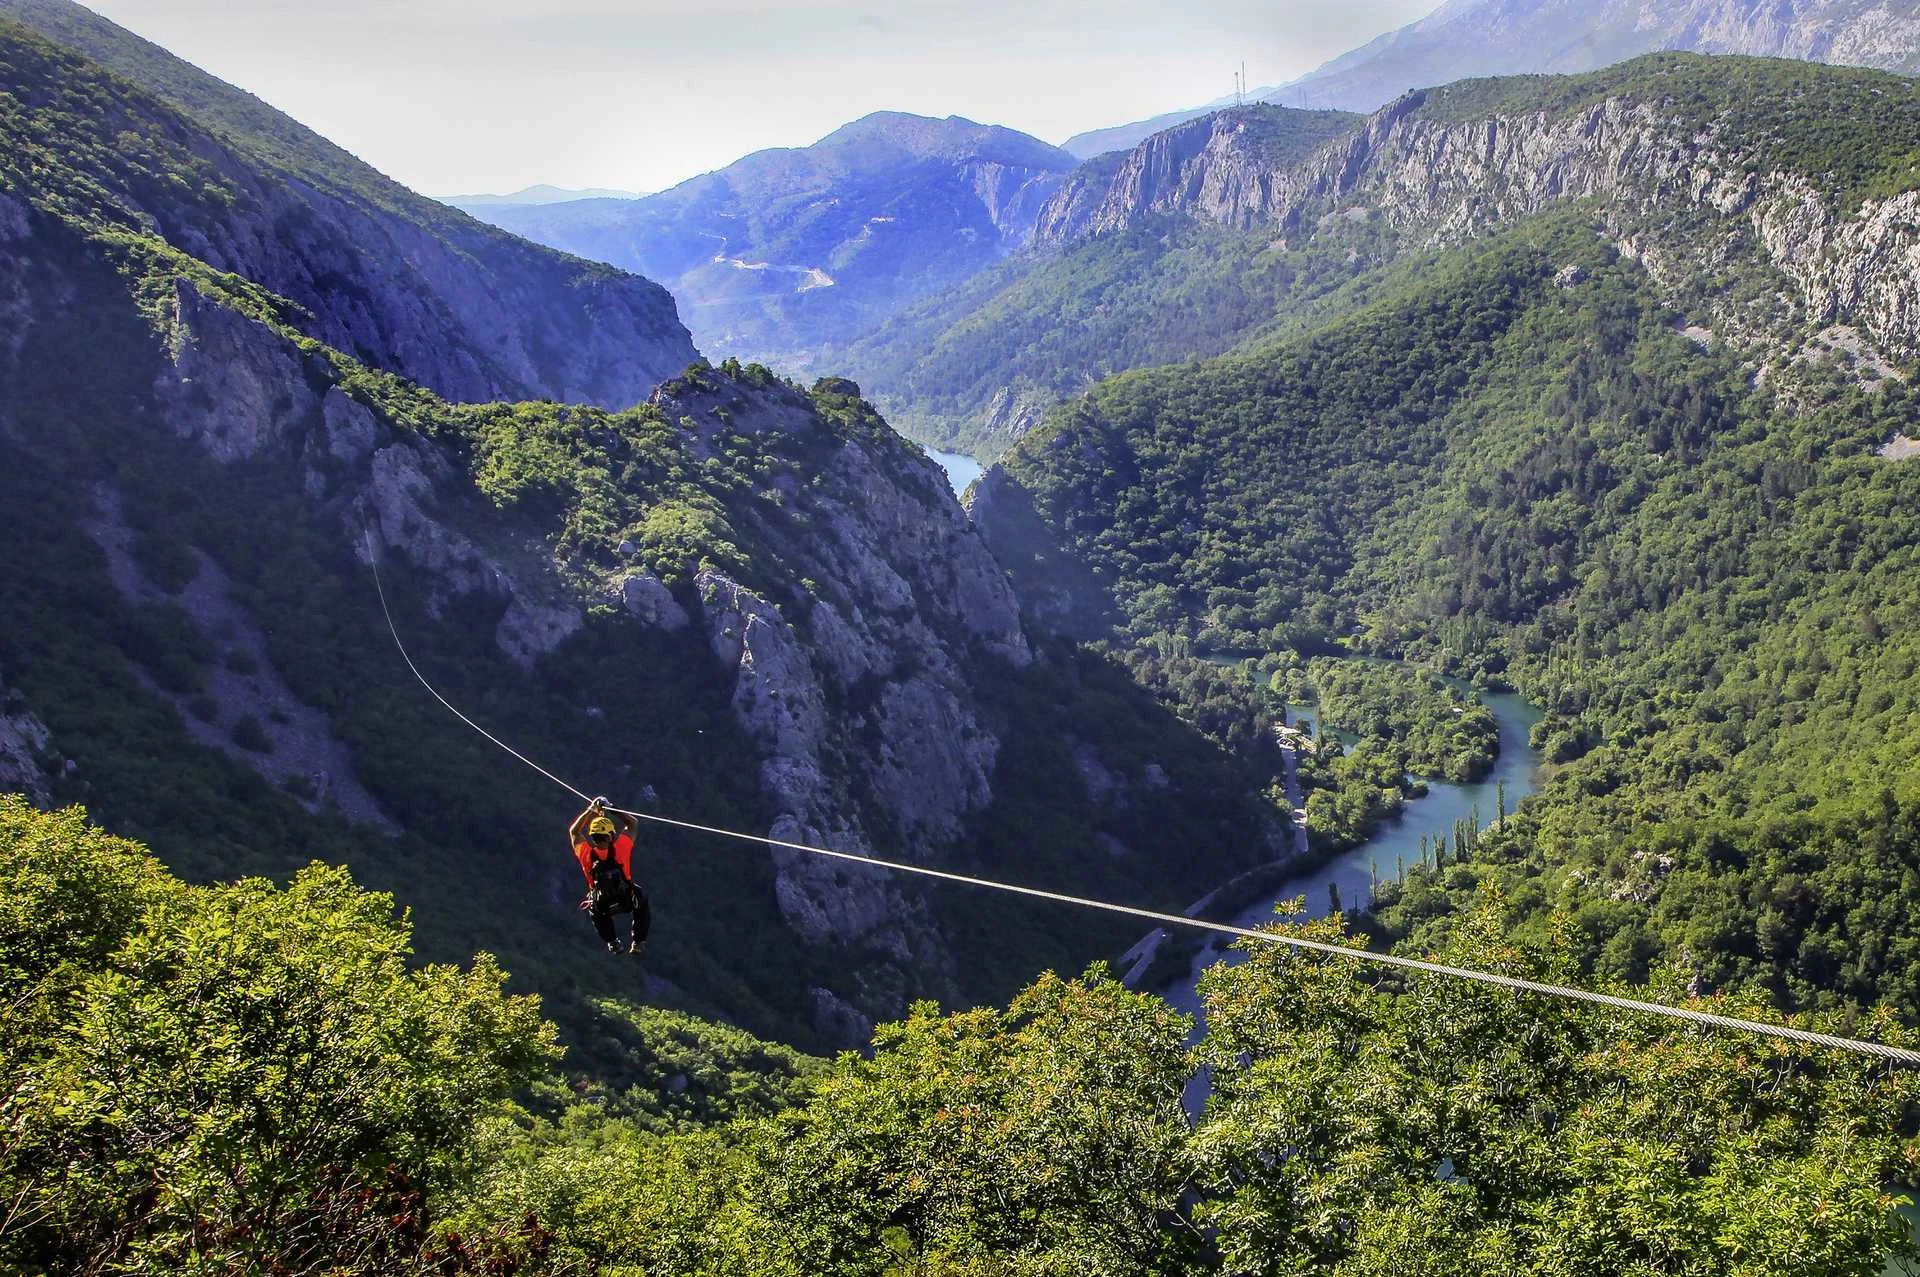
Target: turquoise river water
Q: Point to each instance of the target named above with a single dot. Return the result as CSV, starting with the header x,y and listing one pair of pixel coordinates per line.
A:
x,y
1396,844
961,470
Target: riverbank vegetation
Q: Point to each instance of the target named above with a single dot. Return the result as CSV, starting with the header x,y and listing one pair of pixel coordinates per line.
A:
x,y
251,1077
1437,730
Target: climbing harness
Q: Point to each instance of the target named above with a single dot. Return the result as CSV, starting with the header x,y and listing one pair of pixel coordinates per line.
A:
x,y
1710,1019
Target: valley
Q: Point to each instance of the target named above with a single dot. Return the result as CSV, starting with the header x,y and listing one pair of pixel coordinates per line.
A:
x,y
1487,511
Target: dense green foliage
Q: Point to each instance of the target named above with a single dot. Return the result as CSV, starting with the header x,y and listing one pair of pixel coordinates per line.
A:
x,y
239,1078
1232,490
1439,730
1454,1128
1351,1130
219,1078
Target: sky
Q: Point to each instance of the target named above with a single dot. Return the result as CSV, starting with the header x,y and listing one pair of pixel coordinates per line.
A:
x,y
471,96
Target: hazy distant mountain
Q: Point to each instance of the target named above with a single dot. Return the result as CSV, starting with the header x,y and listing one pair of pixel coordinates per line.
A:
x,y
1467,38
1122,137
789,248
543,194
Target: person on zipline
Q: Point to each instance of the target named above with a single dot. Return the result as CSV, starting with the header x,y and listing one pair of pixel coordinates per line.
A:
x,y
602,841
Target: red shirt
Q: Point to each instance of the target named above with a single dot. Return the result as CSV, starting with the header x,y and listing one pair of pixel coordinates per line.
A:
x,y
621,851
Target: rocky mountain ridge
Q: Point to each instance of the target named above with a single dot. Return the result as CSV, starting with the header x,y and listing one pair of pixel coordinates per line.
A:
x,y
399,281
1469,38
1767,197
1437,171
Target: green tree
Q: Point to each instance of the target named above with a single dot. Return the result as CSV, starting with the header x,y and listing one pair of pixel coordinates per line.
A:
x,y
1456,1127
243,1078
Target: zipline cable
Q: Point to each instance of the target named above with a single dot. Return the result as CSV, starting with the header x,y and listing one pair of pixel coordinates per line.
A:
x,y
1788,1032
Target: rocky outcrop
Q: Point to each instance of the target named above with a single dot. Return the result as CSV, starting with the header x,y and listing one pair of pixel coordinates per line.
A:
x,y
23,740
861,683
1013,197
1863,269
1233,167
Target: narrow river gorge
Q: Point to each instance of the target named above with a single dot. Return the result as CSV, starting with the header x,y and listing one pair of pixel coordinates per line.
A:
x,y
1396,844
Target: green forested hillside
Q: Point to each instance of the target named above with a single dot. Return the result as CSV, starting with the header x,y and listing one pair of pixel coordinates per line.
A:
x,y
244,1077
1528,476
961,368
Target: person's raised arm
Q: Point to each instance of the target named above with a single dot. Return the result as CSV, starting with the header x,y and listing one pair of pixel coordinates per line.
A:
x,y
623,823
577,831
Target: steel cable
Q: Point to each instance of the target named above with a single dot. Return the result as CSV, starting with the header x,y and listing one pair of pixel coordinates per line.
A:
x,y
1709,1018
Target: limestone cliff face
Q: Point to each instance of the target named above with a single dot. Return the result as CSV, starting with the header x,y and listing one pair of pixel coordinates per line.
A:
x,y
1863,270
1234,167
1674,192
1207,168
1436,182
858,686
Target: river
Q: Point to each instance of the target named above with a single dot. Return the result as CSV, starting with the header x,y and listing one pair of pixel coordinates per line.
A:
x,y
961,470
1396,844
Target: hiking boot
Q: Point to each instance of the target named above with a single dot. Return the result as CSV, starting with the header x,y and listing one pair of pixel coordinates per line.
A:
x,y
636,947
612,947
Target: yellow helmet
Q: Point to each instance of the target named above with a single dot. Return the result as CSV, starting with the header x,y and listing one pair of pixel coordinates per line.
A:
x,y
600,827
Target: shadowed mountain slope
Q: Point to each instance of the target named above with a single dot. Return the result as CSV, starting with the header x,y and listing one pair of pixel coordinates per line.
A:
x,y
753,601
399,281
